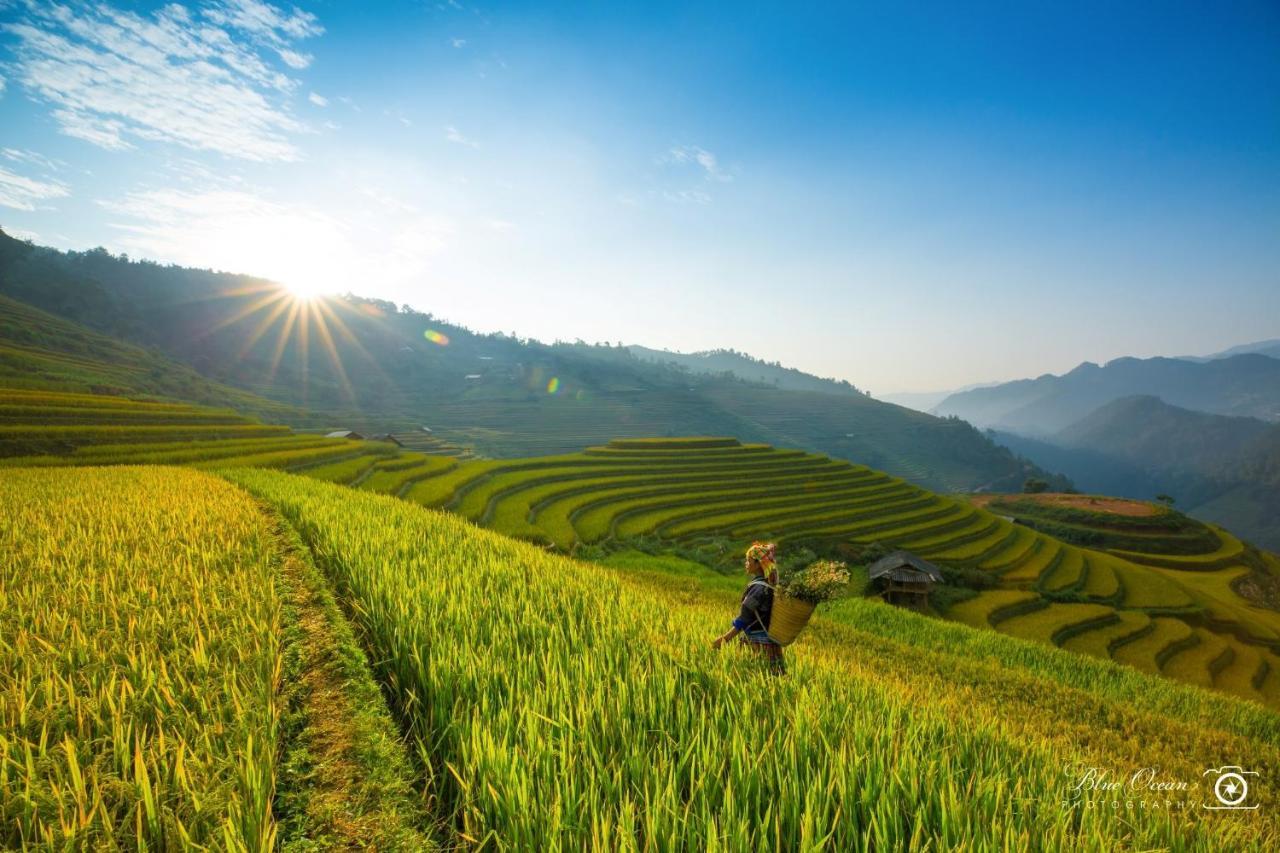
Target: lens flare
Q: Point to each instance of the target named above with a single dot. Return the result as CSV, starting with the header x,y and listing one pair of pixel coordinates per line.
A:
x,y
554,385
438,338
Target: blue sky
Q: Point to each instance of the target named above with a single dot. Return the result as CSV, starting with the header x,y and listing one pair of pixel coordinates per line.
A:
x,y
909,196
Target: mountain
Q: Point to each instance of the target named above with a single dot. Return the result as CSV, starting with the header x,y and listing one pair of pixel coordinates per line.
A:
x,y
368,364
926,401
1150,432
1269,348
1218,468
1246,385
746,367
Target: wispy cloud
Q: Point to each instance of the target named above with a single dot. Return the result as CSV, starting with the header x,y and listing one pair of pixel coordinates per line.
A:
x,y
687,196
201,79
452,134
318,100
701,157
23,193
459,43
34,158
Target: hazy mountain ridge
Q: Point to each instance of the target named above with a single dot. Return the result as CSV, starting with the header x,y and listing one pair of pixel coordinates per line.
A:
x,y
1245,385
370,364
1219,468
745,366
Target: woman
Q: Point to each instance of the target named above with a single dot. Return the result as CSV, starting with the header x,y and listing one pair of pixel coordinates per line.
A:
x,y
757,606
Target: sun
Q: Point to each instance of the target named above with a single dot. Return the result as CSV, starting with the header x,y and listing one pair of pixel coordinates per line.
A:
x,y
306,288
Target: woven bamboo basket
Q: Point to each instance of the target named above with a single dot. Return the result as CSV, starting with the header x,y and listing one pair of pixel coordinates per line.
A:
x,y
788,618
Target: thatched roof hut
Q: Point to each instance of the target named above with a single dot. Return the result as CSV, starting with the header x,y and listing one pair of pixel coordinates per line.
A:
x,y
904,578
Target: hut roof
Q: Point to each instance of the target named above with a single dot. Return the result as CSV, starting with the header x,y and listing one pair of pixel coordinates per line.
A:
x,y
344,433
898,560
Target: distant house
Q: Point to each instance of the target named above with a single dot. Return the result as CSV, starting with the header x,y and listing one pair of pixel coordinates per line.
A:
x,y
346,433
473,376
904,578
386,436
425,428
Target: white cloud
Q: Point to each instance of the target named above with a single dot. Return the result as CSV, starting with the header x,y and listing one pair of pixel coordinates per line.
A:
x,y
458,42
318,100
452,134
23,193
2,85
687,196
198,79
701,157
33,158
268,26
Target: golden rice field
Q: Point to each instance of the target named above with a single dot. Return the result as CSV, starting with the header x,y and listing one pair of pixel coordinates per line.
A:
x,y
686,491
148,654
139,659
153,618
554,703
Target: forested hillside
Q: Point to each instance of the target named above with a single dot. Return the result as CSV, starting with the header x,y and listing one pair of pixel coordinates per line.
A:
x,y
369,364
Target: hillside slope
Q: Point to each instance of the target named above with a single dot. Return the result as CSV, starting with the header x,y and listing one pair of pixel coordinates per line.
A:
x,y
373,366
41,351
744,366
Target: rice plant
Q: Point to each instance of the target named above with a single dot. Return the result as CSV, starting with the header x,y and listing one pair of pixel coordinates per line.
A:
x,y
139,653
554,704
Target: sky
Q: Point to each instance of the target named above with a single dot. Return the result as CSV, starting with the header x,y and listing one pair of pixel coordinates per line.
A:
x,y
910,196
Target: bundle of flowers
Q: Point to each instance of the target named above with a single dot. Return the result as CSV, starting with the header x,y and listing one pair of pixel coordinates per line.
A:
x,y
817,582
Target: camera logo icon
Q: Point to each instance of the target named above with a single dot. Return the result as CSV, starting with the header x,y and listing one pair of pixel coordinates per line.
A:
x,y
1231,788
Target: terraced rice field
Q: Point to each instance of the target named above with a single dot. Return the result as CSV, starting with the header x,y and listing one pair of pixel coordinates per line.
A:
x,y
176,673
497,655
49,428
688,491
695,490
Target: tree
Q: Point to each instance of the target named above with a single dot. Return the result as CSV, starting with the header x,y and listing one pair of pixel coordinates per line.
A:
x,y
1034,486
1167,500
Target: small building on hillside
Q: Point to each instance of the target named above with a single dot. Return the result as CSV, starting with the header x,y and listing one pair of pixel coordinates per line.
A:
x,y
387,437
904,578
346,433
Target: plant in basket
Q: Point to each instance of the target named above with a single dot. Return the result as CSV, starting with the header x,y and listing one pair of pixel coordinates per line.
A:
x,y
800,592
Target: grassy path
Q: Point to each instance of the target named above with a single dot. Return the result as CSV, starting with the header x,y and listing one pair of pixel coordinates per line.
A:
x,y
344,778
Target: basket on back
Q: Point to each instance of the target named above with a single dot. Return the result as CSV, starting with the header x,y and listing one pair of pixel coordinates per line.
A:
x,y
790,616
796,596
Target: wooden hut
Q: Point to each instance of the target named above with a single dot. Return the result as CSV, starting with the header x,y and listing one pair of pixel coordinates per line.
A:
x,y
904,578
388,437
345,433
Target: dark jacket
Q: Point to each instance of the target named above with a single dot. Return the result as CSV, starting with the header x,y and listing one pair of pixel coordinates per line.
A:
x,y
757,607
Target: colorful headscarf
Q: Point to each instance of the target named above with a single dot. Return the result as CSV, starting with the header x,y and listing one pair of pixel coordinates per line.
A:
x,y
766,554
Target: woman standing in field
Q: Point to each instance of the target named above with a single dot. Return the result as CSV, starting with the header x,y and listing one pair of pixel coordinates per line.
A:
x,y
757,607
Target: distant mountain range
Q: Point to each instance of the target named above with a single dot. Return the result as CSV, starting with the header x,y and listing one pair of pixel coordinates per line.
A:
x,y
1245,385
371,365
1218,468
1269,348
927,401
